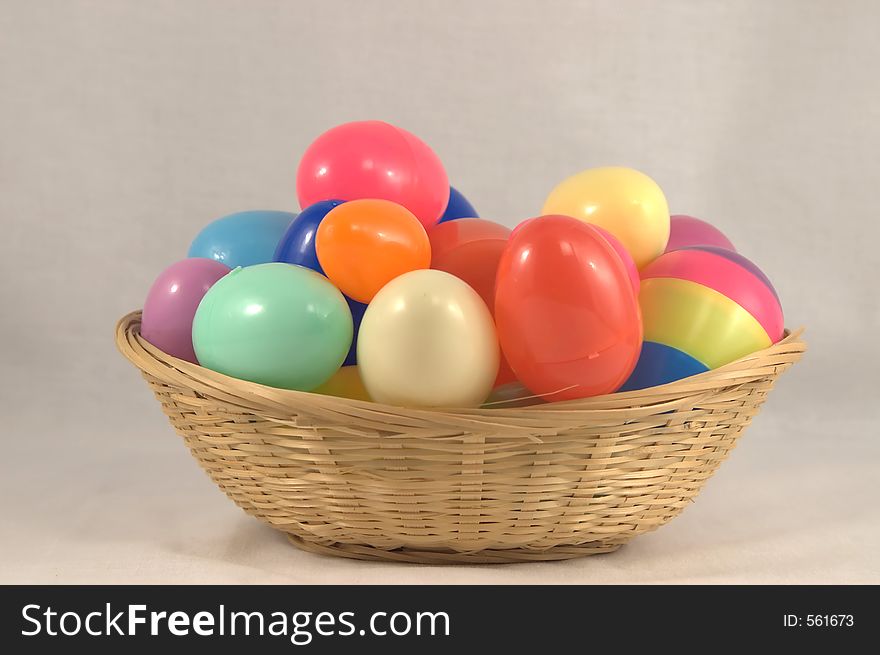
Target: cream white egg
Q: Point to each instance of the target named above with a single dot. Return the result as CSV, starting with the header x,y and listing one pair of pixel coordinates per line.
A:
x,y
427,339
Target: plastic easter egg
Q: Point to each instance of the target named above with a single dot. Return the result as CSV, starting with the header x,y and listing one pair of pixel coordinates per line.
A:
x,y
373,159
567,317
172,302
275,324
470,249
357,310
297,244
242,239
742,261
702,307
624,201
624,255
458,207
522,223
364,244
345,383
428,340
615,243
685,231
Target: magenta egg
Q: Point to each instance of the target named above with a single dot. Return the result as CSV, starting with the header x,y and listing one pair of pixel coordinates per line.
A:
x,y
172,302
687,231
624,255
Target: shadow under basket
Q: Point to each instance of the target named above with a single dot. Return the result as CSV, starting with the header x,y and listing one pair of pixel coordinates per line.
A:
x,y
547,482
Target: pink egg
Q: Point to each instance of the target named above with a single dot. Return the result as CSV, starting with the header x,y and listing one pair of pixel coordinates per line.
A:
x,y
172,302
373,159
624,255
685,231
520,225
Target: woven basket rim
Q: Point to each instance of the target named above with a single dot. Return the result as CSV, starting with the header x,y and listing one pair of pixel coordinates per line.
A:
x,y
174,371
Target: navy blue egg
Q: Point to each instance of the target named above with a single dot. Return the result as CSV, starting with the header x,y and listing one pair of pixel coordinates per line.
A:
x,y
660,364
297,245
458,207
357,314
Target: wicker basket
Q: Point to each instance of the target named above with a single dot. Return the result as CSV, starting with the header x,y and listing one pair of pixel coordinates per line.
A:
x,y
546,482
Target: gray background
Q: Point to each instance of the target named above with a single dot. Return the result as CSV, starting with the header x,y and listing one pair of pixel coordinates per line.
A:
x,y
126,126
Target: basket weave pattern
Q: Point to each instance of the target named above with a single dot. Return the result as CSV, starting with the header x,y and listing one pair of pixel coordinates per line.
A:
x,y
546,482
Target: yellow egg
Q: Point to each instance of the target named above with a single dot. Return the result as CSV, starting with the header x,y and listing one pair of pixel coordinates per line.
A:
x,y
427,339
345,383
624,201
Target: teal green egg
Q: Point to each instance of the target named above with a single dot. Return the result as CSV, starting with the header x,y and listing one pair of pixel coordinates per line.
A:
x,y
276,324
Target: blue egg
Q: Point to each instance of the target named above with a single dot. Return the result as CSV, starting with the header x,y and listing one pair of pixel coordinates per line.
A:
x,y
659,364
242,239
297,245
458,207
357,314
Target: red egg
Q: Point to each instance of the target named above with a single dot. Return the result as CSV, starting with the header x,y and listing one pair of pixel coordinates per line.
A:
x,y
567,318
470,249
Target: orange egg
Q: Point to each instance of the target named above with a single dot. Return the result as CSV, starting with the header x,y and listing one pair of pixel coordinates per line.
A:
x,y
364,244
